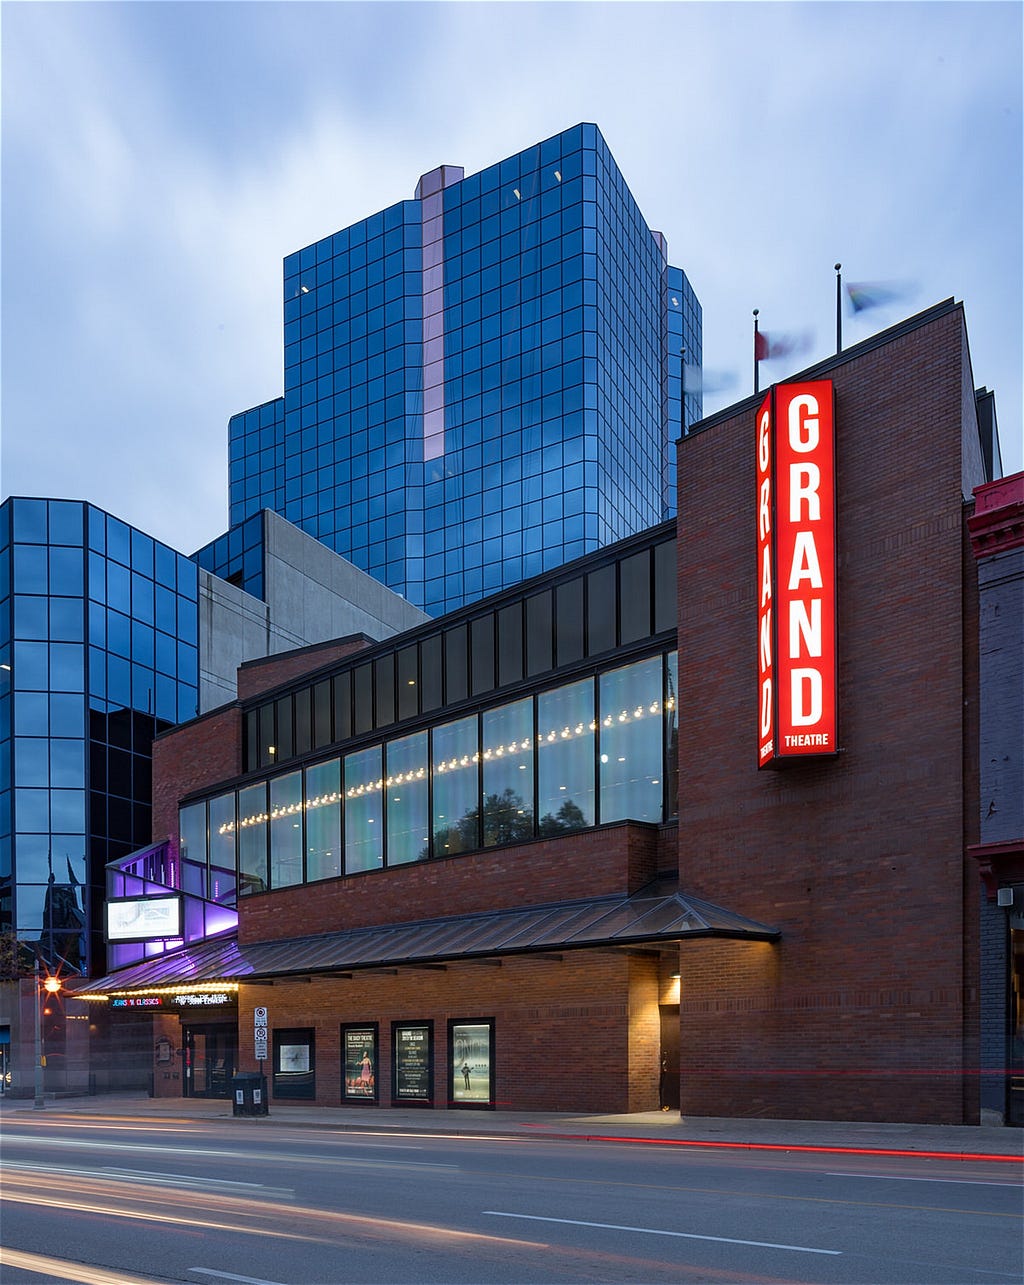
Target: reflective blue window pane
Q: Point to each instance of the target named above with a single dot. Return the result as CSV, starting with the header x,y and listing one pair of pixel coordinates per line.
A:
x,y
66,573
166,699
30,616
67,667
142,599
32,810
119,633
97,530
188,620
142,644
118,541
31,714
364,838
30,666
166,655
30,573
66,522
188,704
67,714
67,764
66,619
119,587
565,758
67,809
30,521
142,553
166,561
119,681
31,761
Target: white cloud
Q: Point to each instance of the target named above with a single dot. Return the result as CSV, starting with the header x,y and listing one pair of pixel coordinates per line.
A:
x,y
149,200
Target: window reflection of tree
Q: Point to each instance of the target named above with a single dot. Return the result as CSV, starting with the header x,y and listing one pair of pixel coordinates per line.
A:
x,y
506,820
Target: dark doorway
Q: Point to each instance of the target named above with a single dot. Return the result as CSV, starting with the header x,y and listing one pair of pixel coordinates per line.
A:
x,y
210,1055
668,1083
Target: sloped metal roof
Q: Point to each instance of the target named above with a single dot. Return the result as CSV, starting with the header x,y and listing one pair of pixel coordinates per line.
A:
x,y
651,916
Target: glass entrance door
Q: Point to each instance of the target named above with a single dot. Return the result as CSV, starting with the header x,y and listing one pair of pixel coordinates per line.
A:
x,y
211,1055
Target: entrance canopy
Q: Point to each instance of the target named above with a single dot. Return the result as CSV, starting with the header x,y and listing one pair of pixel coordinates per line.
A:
x,y
653,916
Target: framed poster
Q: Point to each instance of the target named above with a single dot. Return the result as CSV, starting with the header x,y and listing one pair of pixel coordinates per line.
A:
x,y
471,1062
294,1064
360,1060
412,1063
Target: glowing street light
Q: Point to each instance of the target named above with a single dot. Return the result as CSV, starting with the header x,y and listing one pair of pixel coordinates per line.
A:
x,y
51,985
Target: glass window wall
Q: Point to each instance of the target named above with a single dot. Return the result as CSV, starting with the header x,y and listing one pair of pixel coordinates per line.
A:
x,y
323,820
599,750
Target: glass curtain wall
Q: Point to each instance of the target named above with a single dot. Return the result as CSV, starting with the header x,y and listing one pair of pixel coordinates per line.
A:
x,y
598,750
98,632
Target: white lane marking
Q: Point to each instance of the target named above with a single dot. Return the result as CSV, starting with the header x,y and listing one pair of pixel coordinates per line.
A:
x,y
898,1177
655,1231
230,1276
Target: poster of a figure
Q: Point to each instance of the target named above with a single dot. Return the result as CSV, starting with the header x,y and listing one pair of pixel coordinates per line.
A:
x,y
360,1052
470,1071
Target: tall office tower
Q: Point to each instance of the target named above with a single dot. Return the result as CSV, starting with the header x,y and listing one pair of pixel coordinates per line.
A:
x,y
98,653
479,383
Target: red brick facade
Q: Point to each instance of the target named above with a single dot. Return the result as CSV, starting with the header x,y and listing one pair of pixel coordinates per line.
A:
x,y
593,863
859,1011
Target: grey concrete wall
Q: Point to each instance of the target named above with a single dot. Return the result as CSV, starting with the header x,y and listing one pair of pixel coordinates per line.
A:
x,y
312,595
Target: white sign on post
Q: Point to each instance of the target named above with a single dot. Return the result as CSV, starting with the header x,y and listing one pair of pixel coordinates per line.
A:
x,y
260,1034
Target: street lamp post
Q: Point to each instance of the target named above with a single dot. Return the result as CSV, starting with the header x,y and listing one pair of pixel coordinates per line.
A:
x,y
49,987
38,1103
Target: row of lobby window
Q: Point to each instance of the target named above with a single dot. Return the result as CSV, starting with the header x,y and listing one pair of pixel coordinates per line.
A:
x,y
611,606
594,751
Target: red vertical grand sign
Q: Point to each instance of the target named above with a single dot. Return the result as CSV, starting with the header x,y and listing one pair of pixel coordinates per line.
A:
x,y
765,587
796,567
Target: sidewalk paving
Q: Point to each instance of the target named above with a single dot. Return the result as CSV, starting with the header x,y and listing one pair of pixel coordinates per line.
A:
x,y
644,1127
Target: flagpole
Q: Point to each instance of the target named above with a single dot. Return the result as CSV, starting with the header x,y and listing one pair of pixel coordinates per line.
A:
x,y
839,308
755,351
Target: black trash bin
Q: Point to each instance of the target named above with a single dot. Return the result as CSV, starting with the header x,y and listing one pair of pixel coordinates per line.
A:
x,y
249,1093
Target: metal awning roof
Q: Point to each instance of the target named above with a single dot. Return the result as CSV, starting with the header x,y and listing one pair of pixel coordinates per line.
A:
x,y
654,915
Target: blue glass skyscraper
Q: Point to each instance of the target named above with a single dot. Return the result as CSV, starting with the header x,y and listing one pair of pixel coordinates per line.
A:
x,y
98,653
479,383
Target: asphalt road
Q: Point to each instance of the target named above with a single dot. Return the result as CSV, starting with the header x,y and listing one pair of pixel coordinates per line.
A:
x,y
224,1200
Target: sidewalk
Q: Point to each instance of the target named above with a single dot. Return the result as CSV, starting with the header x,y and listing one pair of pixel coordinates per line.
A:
x,y
648,1127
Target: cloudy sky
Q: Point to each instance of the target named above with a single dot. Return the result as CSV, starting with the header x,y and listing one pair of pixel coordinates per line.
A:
x,y
160,159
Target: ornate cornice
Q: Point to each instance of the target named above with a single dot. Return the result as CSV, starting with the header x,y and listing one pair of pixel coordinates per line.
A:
x,y
997,523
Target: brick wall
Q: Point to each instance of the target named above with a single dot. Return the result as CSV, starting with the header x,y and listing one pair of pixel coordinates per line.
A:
x,y
590,863
859,1010
257,676
579,1033
198,753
